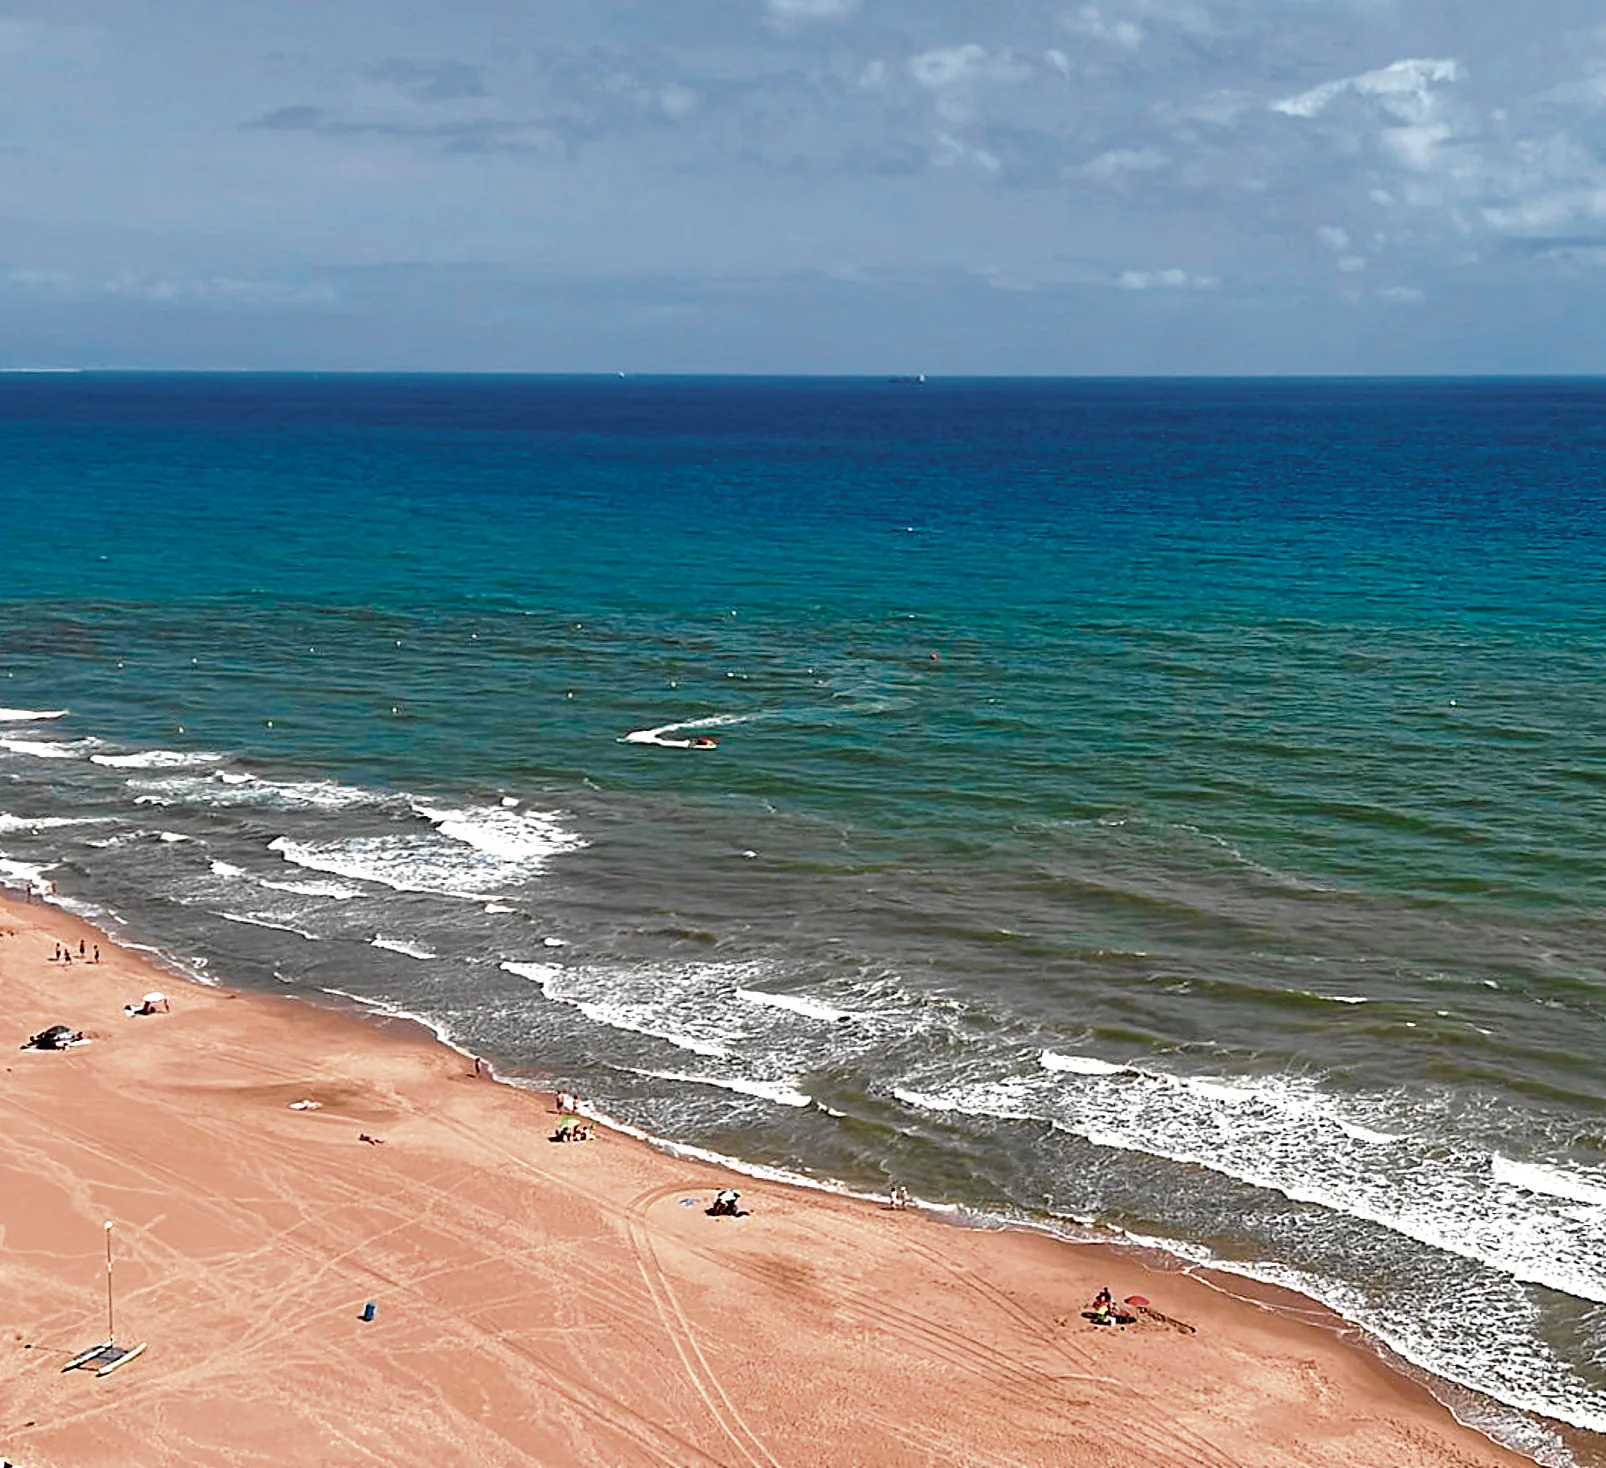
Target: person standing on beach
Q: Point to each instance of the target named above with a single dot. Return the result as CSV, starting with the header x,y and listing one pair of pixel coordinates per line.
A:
x,y
97,953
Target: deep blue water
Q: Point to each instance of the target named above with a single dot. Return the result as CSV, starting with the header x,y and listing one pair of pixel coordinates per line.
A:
x,y
1166,806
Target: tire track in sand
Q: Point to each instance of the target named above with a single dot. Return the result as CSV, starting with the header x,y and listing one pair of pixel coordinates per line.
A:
x,y
683,1337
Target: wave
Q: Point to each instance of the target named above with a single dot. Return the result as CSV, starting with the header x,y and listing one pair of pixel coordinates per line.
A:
x,y
19,716
780,1092
10,823
339,891
557,984
400,945
23,874
50,748
1086,1065
1536,1178
1288,1135
475,853
518,837
255,920
795,1004
225,789
156,759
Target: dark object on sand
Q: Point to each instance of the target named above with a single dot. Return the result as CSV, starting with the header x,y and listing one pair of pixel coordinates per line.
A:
x,y
1170,1320
54,1037
368,1310
726,1204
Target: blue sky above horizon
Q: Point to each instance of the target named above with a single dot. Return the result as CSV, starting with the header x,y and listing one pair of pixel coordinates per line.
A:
x,y
1169,186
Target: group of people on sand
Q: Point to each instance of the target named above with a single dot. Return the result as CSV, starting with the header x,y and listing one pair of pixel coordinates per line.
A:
x,y
64,952
1107,1310
571,1128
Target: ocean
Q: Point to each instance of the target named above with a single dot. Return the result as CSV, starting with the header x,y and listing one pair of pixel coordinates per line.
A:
x,y
1167,810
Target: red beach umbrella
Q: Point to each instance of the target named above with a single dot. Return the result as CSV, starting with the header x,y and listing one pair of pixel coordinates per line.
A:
x,y
1137,1300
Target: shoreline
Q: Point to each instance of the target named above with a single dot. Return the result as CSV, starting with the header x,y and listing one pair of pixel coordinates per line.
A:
x,y
1329,1348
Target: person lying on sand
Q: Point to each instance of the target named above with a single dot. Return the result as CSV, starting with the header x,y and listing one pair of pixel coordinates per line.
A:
x,y
152,1003
372,1141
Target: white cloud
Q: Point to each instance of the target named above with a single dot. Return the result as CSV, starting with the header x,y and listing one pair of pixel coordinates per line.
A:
x,y
1172,279
1405,88
1333,237
1407,295
1119,161
1091,21
215,290
677,101
802,12
947,64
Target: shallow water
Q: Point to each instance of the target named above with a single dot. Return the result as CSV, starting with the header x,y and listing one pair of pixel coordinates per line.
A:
x,y
1175,805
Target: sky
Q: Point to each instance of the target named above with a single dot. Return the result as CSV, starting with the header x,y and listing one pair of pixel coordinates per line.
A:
x,y
947,186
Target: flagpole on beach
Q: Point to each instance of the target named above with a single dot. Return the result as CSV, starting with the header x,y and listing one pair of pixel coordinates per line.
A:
x,y
111,1329
108,1355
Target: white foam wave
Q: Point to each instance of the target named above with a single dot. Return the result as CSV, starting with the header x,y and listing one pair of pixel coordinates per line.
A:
x,y
780,1092
10,823
400,945
402,863
536,973
515,837
1086,1065
156,759
256,920
1287,1134
20,716
794,1004
23,874
1536,1178
340,891
50,748
226,789
474,854
618,1012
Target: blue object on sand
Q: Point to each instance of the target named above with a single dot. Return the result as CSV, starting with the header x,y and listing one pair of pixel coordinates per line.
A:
x,y
368,1311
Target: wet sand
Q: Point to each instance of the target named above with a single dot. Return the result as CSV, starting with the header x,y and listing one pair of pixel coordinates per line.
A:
x,y
538,1303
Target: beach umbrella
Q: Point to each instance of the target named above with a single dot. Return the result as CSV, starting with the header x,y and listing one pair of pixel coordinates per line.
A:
x,y
1137,1300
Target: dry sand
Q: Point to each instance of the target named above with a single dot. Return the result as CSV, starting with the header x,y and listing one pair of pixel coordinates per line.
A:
x,y
556,1304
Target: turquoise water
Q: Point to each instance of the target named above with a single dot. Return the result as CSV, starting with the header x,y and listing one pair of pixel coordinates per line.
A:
x,y
1169,806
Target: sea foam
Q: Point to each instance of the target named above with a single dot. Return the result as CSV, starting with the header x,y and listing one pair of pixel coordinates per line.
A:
x,y
156,759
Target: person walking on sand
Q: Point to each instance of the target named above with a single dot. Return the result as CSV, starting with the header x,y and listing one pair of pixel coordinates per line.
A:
x,y
97,953
80,947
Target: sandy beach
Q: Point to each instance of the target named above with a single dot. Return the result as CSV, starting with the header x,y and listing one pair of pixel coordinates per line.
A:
x,y
537,1303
